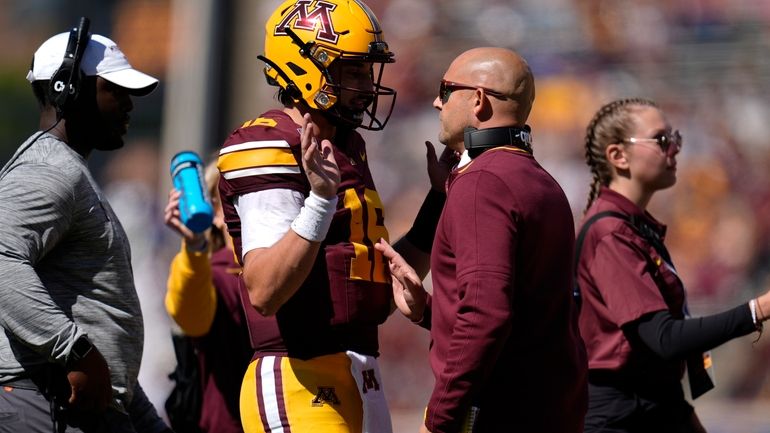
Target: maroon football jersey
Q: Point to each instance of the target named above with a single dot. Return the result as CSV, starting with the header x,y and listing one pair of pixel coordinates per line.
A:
x,y
224,352
345,296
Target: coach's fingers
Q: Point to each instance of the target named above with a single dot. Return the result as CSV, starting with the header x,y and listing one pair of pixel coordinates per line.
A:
x,y
430,152
386,249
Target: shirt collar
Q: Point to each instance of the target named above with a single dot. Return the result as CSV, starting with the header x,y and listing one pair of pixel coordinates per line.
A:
x,y
464,159
628,207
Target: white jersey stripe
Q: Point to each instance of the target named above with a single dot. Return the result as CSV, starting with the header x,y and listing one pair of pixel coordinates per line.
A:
x,y
254,145
269,394
235,174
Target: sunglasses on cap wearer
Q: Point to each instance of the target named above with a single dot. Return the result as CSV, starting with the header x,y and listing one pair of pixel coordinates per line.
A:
x,y
447,87
670,144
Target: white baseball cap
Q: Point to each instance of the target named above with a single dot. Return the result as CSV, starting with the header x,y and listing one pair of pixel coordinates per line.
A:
x,y
102,57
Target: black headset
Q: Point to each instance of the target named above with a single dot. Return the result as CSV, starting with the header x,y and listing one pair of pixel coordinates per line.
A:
x,y
68,76
64,86
476,141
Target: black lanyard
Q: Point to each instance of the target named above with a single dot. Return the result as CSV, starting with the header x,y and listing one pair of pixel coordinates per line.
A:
x,y
644,229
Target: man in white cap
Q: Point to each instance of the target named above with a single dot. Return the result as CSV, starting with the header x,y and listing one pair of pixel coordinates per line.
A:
x,y
72,332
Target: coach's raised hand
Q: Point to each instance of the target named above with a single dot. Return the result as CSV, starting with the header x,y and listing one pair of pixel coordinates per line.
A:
x,y
439,167
408,294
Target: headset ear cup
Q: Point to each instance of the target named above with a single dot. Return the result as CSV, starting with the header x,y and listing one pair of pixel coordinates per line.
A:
x,y
57,88
74,92
64,85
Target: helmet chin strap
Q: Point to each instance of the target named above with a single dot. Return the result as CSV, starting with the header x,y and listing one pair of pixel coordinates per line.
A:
x,y
348,121
337,116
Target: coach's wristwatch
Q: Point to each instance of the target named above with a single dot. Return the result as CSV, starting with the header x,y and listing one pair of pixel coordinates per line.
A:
x,y
80,349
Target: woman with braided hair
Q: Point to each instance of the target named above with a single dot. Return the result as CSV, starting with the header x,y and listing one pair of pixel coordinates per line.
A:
x,y
634,320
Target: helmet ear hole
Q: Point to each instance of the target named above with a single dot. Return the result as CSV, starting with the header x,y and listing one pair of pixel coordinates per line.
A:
x,y
296,69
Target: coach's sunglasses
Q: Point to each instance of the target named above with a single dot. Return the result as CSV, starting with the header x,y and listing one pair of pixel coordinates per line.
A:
x,y
670,144
447,87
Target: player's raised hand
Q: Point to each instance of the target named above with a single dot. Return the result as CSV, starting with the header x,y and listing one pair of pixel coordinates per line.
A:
x,y
318,161
408,294
439,167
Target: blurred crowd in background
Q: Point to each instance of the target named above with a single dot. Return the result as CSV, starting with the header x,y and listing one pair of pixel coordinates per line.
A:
x,y
706,62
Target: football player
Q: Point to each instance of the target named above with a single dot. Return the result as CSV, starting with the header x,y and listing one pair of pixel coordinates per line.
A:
x,y
304,214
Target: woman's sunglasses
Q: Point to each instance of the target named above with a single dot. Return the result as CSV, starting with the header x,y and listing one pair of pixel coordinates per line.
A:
x,y
670,144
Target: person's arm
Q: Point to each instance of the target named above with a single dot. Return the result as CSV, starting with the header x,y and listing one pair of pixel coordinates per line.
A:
x,y
415,246
36,209
485,258
191,299
409,257
409,260
619,257
272,275
672,338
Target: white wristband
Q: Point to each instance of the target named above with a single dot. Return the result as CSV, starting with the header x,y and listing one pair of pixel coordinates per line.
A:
x,y
315,217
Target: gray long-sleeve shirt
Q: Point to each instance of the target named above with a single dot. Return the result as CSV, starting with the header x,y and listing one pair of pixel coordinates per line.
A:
x,y
65,269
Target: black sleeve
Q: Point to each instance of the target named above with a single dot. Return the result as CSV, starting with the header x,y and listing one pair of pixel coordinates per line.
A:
x,y
424,228
676,338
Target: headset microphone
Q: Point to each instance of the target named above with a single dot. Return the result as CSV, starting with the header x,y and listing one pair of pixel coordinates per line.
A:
x,y
65,82
478,140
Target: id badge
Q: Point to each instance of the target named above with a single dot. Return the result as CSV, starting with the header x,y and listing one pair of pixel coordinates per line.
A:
x,y
700,374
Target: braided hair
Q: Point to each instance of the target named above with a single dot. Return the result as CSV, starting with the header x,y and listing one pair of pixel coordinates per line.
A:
x,y
611,124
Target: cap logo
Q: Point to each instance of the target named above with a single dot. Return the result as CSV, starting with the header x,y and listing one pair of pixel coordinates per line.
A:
x,y
300,18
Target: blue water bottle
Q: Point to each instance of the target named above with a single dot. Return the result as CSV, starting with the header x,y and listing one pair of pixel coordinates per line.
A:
x,y
194,203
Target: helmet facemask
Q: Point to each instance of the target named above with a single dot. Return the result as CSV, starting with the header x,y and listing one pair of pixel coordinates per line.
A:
x,y
357,106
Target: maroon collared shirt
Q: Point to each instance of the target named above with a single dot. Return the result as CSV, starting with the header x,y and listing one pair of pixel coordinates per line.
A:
x,y
504,326
622,278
